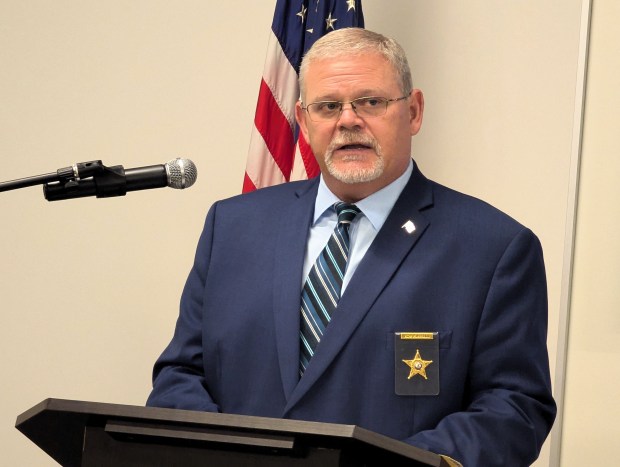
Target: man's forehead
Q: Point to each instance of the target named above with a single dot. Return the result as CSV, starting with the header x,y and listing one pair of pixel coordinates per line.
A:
x,y
365,74
347,57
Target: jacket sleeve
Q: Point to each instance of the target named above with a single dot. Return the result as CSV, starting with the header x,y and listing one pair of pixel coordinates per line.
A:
x,y
178,374
508,407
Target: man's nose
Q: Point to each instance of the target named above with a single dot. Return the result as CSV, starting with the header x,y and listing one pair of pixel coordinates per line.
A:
x,y
348,117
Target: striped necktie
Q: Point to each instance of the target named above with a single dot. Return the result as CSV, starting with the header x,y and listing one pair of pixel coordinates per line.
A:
x,y
321,291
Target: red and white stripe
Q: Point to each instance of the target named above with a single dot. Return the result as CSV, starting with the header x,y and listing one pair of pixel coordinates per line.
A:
x,y
274,156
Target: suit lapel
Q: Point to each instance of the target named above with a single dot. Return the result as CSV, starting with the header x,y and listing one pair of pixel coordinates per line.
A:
x,y
392,244
289,257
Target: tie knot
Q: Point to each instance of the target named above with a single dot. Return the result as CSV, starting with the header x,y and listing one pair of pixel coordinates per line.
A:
x,y
346,212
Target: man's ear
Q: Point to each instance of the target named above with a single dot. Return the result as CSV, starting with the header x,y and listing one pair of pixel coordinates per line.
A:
x,y
416,111
300,116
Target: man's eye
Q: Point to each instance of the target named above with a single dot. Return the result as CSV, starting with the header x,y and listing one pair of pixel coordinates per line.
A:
x,y
369,102
327,106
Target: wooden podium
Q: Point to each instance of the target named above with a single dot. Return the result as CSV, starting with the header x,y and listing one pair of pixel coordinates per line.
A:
x,y
78,433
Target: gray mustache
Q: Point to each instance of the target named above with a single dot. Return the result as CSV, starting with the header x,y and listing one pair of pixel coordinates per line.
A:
x,y
348,138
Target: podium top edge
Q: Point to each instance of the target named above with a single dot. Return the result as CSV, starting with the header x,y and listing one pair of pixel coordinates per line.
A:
x,y
154,414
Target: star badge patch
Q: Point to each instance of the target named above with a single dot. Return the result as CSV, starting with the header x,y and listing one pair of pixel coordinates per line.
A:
x,y
416,363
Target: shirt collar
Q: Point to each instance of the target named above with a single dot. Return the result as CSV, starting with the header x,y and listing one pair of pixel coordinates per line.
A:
x,y
375,207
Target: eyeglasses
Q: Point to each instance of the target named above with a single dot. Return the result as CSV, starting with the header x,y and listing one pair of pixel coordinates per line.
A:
x,y
365,107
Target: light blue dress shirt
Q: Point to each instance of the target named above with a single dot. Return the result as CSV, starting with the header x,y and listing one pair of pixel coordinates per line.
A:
x,y
375,209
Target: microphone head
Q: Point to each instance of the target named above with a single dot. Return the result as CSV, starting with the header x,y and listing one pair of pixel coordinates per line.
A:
x,y
182,173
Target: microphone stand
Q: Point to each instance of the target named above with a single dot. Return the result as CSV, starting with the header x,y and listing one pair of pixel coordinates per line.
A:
x,y
28,181
64,175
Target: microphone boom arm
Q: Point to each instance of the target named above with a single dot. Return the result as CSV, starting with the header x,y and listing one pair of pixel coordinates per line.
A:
x,y
64,175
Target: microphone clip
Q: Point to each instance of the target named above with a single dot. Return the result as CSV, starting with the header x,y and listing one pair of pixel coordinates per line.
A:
x,y
87,179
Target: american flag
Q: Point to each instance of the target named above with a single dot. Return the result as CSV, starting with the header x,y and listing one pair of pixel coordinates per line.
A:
x,y
278,152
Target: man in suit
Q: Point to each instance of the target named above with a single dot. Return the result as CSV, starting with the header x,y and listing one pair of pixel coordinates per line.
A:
x,y
436,333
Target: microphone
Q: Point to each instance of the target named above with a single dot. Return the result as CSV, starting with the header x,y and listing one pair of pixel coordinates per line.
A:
x,y
106,182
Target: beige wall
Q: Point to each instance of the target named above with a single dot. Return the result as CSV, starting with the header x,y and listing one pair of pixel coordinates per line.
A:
x,y
90,288
590,429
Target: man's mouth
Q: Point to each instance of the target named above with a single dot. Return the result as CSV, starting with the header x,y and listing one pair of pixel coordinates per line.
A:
x,y
348,147
351,146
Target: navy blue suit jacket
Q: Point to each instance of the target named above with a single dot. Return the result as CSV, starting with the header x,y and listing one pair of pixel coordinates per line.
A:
x,y
468,271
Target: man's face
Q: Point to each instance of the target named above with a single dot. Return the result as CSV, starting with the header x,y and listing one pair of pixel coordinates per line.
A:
x,y
359,155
